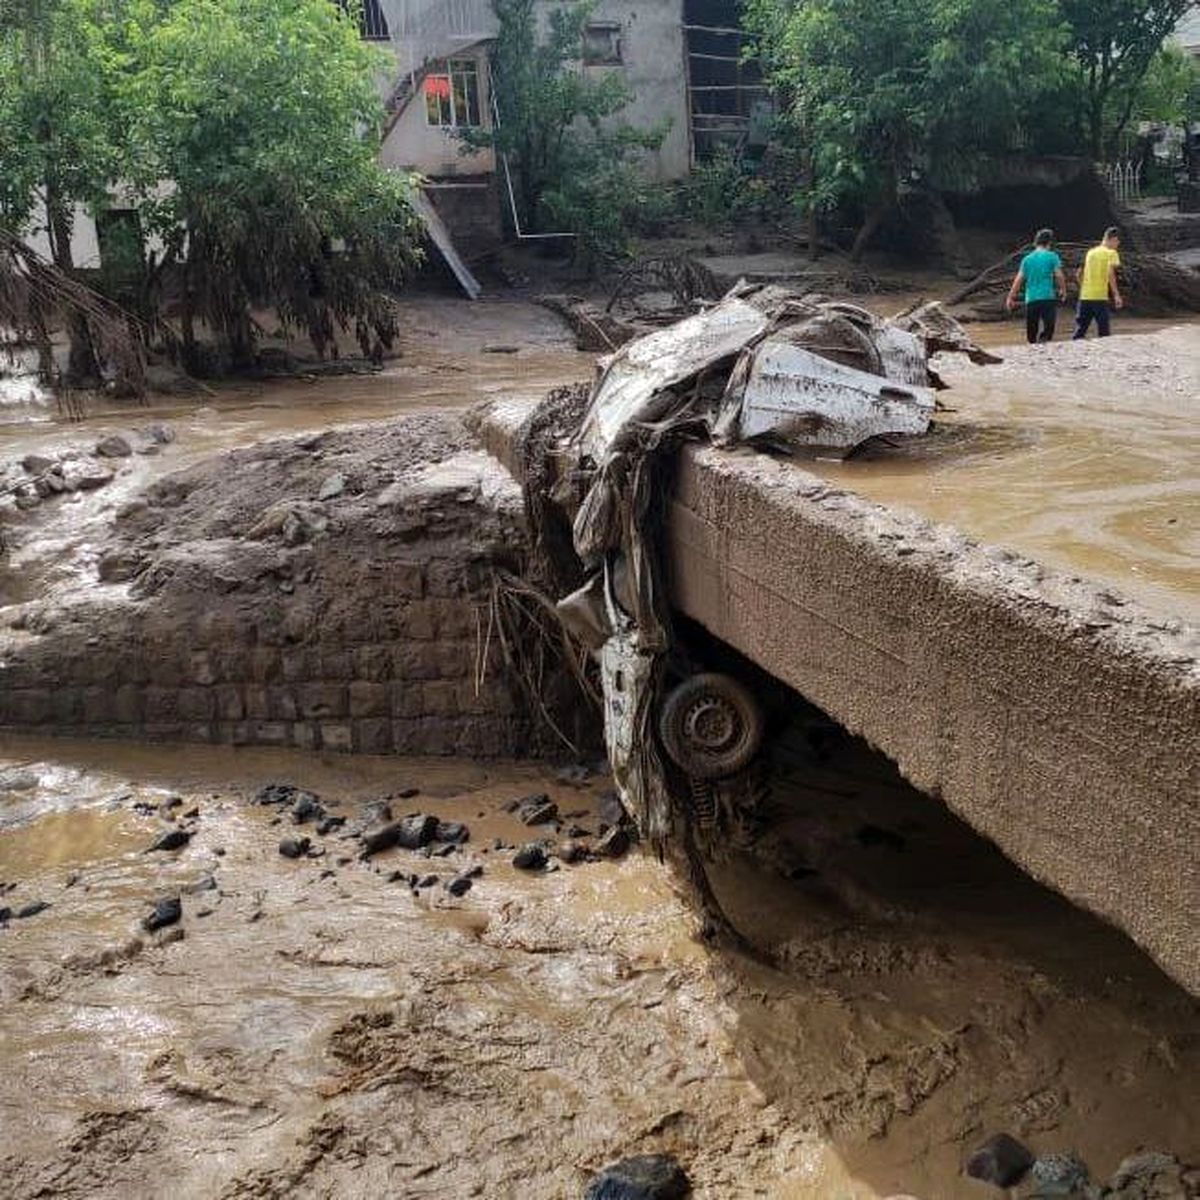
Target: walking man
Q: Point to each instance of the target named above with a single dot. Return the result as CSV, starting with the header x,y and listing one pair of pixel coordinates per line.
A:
x,y
1097,283
1041,275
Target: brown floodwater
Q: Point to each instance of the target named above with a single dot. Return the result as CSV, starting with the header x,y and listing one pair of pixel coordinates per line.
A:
x,y
322,1029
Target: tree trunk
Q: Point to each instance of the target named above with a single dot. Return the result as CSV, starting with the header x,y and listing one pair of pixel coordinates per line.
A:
x,y
82,366
870,228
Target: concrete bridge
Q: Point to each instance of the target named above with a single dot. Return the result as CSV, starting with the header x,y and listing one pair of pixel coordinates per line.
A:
x,y
1060,721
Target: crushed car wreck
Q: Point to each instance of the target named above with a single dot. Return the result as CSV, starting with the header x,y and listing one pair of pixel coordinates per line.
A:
x,y
762,366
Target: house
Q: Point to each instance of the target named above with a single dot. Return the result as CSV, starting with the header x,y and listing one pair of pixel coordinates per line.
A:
x,y
1187,33
682,60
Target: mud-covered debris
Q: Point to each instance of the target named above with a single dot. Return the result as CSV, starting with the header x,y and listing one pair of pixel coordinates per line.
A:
x,y
460,885
530,857
537,810
572,852
454,832
1059,1175
294,847
1153,1176
31,910
173,839
615,843
1001,1161
166,911
114,446
282,793
307,808
411,833
644,1177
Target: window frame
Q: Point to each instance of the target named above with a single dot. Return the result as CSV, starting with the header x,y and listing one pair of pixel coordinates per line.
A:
x,y
455,73
616,41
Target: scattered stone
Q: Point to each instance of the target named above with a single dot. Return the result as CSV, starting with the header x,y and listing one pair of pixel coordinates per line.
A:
x,y
408,793
644,1177
160,435
31,910
1001,1161
169,803
294,847
537,810
166,912
500,349
452,831
173,839
25,499
614,843
1151,1176
5,915
572,852
172,936
113,446
282,793
443,851
574,775
83,476
307,807
377,811
191,814
411,833
1059,1175
317,852
460,885
219,851
37,464
333,486
328,824
205,912
206,883
530,857
71,880
428,881
579,831
474,872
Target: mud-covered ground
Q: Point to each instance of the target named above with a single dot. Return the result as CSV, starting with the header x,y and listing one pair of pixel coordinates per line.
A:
x,y
322,1029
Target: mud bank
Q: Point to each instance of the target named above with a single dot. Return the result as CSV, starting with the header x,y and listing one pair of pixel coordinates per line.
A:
x,y
320,1029
328,591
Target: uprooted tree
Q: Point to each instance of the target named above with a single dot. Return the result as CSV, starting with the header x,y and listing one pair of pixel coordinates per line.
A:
x,y
571,155
892,95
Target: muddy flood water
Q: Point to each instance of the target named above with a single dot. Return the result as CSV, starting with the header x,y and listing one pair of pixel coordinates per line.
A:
x,y
321,1027
329,1026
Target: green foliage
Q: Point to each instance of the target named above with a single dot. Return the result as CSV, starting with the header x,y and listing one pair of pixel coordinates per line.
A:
x,y
572,157
890,93
1170,91
1113,44
264,116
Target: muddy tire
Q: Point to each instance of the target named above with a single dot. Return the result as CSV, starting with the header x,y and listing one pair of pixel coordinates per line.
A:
x,y
711,726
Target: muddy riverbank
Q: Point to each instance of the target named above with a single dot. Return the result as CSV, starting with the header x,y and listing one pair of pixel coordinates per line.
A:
x,y
323,1028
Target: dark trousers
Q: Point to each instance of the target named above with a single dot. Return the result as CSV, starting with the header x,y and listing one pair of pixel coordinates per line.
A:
x,y
1040,316
1088,311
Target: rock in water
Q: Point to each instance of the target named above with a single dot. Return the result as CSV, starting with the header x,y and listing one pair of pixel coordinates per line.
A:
x,y
294,847
113,446
645,1177
454,832
1059,1175
460,885
173,839
166,912
537,810
31,910
307,808
530,857
416,831
1001,1161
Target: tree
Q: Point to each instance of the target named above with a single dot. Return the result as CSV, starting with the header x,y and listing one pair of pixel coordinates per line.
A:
x,y
559,127
891,94
265,117
61,118
1114,43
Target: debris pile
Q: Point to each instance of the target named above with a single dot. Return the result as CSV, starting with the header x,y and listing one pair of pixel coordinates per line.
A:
x,y
763,366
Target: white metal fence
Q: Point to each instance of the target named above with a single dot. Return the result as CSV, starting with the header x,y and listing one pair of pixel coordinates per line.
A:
x,y
1123,179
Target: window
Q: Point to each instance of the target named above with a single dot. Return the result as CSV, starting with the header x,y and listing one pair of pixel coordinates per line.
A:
x,y
372,24
452,94
602,45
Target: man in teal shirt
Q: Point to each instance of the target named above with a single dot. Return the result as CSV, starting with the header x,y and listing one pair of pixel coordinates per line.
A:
x,y
1041,275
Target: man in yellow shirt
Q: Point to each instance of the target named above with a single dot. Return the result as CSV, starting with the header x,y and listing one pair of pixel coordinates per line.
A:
x,y
1097,282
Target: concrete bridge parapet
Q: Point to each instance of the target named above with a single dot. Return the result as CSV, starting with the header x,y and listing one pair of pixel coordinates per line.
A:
x,y
1060,721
